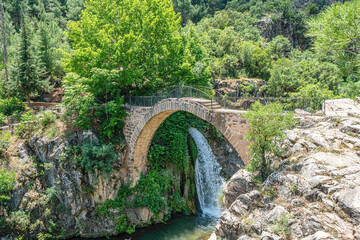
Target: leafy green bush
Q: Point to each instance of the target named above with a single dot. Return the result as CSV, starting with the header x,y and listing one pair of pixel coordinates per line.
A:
x,y
123,225
5,140
266,128
10,106
48,118
83,110
282,226
20,220
91,156
290,75
50,195
28,125
7,180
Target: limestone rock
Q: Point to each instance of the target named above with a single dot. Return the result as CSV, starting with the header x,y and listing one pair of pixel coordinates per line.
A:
x,y
320,235
240,183
275,214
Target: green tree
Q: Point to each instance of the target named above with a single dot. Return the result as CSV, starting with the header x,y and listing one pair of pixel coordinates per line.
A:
x,y
300,69
139,39
267,124
336,35
26,80
279,47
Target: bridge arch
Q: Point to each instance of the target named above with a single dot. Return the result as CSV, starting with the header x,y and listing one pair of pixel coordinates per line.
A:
x,y
143,122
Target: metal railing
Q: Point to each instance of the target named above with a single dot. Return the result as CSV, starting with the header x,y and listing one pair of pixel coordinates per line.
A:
x,y
300,105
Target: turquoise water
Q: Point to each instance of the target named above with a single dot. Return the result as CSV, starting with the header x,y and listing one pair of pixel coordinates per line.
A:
x,y
179,228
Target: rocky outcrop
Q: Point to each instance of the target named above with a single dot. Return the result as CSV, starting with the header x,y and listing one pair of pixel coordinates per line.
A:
x,y
313,194
40,165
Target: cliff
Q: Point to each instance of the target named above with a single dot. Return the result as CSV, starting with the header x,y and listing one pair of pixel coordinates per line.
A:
x,y
314,192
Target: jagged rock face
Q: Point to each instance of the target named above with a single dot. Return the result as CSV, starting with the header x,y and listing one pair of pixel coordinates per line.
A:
x,y
314,194
226,156
77,193
273,25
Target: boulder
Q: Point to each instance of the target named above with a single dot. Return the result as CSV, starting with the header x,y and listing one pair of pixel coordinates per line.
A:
x,y
275,214
242,182
349,201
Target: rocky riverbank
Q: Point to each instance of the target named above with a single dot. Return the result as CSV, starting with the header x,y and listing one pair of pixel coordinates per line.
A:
x,y
314,193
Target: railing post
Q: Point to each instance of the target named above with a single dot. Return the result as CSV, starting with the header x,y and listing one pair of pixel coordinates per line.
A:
x,y
177,91
224,99
311,106
191,92
324,106
212,109
151,101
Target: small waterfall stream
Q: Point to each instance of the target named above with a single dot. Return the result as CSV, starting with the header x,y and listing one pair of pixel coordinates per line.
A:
x,y
207,176
208,186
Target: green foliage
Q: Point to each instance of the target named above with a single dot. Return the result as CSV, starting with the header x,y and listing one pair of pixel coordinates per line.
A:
x,y
5,140
282,226
26,80
123,225
11,106
94,156
150,191
83,96
140,50
266,128
336,36
313,91
279,46
28,125
20,220
222,37
169,146
269,192
50,195
290,75
7,181
48,118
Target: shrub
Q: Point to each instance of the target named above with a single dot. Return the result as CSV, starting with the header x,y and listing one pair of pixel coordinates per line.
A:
x,y
266,128
282,226
20,220
28,125
5,140
48,118
91,156
7,180
123,225
50,195
10,106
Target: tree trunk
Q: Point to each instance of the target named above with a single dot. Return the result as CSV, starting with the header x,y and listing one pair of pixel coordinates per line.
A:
x,y
28,97
3,41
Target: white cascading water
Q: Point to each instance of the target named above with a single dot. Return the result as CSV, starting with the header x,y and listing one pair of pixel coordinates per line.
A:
x,y
208,181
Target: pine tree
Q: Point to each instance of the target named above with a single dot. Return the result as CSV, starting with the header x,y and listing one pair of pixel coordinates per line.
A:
x,y
27,79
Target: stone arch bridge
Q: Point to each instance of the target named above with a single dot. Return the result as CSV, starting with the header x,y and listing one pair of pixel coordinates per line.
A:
x,y
142,123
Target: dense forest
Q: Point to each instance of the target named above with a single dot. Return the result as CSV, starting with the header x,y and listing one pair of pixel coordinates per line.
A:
x,y
301,49
217,39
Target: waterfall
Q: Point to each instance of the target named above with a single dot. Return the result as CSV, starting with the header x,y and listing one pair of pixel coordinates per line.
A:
x,y
208,181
